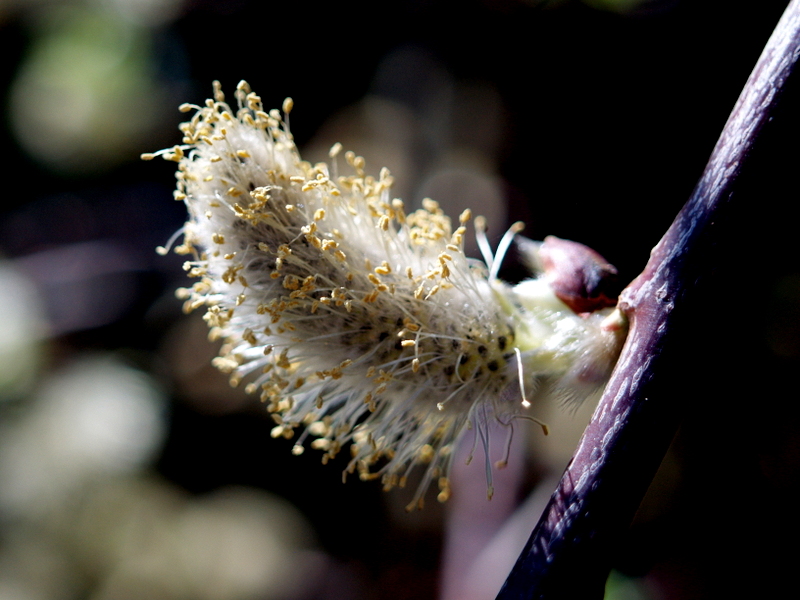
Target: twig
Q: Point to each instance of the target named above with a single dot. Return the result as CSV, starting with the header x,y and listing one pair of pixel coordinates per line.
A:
x,y
569,552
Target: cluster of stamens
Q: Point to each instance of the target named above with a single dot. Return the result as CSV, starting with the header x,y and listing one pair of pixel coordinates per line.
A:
x,y
354,322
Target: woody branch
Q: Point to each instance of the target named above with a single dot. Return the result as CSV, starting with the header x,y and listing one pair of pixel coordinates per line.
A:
x,y
569,552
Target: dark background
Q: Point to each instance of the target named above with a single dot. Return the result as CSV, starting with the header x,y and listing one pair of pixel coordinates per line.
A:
x,y
608,119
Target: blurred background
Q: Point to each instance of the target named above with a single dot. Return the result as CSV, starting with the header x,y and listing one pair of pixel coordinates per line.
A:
x,y
130,469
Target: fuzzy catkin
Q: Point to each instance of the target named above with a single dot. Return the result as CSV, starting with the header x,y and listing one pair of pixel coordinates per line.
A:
x,y
355,322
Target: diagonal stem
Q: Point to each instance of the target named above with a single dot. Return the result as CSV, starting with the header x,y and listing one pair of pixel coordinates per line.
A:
x,y
569,552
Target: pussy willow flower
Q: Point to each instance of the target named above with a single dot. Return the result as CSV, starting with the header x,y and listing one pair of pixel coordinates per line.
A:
x,y
357,323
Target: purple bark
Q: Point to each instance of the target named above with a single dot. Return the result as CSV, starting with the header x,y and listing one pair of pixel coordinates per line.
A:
x,y
569,552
